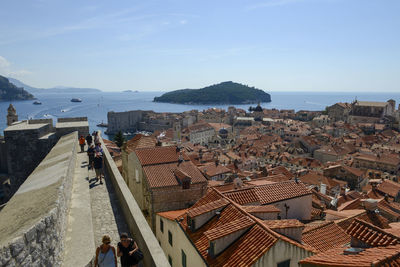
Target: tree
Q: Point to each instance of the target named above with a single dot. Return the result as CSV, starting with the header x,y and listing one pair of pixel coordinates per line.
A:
x,y
119,139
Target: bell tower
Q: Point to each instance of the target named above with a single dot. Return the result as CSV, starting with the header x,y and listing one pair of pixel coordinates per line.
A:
x,y
11,115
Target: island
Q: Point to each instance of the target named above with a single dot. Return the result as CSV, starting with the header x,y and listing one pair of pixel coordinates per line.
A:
x,y
10,92
222,93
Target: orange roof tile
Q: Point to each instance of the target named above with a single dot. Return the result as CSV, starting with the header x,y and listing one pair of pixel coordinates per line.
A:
x,y
193,212
228,228
158,155
173,214
162,175
279,224
378,256
325,236
370,234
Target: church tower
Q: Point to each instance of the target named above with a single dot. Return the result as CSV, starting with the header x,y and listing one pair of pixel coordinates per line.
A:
x,y
177,131
11,115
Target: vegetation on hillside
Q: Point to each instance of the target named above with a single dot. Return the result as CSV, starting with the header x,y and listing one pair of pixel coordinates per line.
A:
x,y
9,91
222,93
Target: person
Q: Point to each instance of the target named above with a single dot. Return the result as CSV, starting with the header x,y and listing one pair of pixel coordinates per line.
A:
x,y
82,143
96,138
91,153
89,140
98,166
126,249
105,254
98,148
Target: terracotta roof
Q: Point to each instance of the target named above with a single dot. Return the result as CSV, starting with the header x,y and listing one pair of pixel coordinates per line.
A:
x,y
261,209
228,228
378,256
242,196
162,175
389,187
269,193
244,251
158,155
140,141
196,211
280,191
173,214
325,236
370,234
279,224
212,169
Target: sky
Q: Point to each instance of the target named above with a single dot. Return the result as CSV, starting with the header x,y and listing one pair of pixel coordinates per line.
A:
x,y
274,45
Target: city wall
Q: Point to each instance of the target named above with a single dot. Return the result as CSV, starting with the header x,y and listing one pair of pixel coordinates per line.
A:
x,y
33,223
138,226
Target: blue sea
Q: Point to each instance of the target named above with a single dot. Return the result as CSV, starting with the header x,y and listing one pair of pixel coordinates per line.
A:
x,y
96,105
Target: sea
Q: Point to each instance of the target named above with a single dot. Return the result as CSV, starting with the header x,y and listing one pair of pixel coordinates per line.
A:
x,y
95,106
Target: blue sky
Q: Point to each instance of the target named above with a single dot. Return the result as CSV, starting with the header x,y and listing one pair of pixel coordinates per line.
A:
x,y
275,45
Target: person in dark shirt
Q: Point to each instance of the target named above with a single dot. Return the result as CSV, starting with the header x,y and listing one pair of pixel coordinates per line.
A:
x,y
126,250
98,166
89,140
91,153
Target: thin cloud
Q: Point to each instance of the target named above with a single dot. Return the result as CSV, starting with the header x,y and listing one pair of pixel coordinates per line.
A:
x,y
7,70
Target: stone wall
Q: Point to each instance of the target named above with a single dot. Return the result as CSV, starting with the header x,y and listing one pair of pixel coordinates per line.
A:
x,y
25,149
33,223
75,119
3,156
123,121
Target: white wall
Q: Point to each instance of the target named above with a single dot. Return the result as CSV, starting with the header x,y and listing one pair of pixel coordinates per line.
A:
x,y
300,208
179,242
282,251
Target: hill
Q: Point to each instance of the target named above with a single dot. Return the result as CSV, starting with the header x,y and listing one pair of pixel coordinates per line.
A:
x,y
58,89
9,91
222,93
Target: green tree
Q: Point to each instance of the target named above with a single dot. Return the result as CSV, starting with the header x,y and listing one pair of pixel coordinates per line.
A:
x,y
119,139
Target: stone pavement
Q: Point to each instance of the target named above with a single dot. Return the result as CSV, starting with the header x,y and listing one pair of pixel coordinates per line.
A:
x,y
107,216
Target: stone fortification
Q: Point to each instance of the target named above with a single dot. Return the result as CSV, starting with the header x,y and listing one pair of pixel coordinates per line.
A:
x,y
123,121
33,223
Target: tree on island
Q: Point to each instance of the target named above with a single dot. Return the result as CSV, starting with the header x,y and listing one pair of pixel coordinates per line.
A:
x,y
119,139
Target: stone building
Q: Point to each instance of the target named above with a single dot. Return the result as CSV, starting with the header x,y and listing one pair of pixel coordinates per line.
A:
x,y
201,133
27,142
11,115
373,112
163,179
339,111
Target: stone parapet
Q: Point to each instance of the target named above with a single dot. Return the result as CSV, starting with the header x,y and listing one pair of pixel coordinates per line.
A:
x,y
138,226
33,223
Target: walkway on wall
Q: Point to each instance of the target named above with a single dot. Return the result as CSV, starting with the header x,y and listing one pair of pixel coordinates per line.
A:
x,y
107,216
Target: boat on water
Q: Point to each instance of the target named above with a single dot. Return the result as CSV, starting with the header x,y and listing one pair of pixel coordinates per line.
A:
x,y
76,100
102,124
37,102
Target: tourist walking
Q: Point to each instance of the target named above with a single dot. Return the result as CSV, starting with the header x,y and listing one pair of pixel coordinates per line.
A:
x,y
82,141
105,254
98,166
91,152
98,148
129,251
89,140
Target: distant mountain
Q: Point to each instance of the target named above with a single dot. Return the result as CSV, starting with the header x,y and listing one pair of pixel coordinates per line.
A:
x,y
222,93
57,89
9,91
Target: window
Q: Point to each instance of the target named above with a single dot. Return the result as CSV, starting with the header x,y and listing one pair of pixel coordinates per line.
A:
x,y
161,225
285,263
170,238
137,176
183,259
170,260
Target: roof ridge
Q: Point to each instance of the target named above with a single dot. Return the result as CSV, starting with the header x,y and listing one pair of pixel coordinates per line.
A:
x,y
316,227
